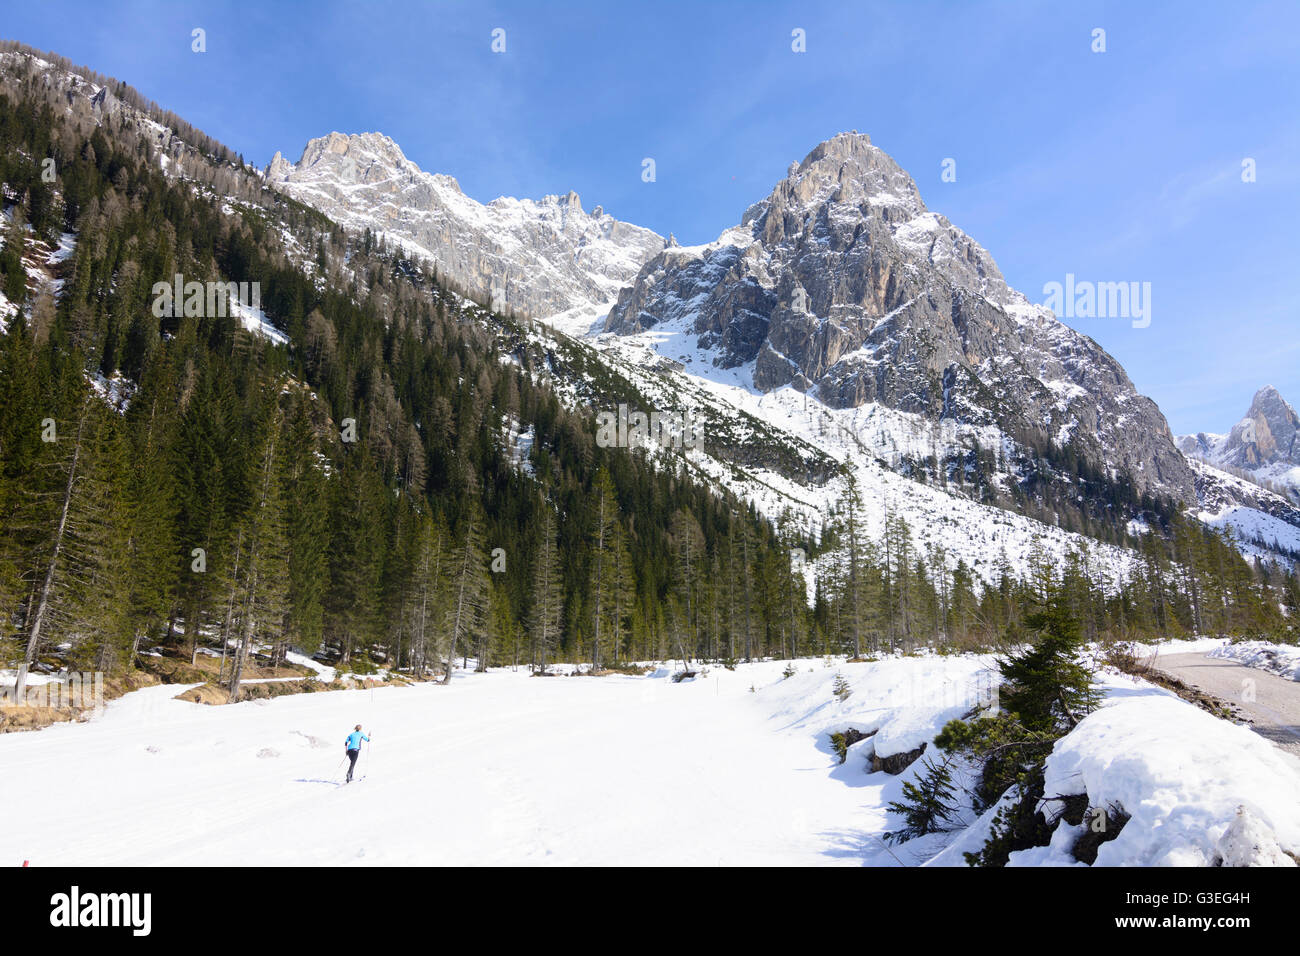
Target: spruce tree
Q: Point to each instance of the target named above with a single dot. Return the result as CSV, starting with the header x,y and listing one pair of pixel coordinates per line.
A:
x,y
264,579
1046,685
547,593
928,804
469,582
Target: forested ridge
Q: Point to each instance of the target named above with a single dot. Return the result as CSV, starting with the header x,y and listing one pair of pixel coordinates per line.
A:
x,y
183,482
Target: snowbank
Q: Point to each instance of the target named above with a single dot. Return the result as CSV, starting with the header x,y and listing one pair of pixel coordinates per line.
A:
x,y
1190,645
323,671
1200,791
1280,659
1185,777
903,701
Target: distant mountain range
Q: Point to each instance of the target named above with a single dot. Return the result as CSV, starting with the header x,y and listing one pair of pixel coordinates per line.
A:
x,y
840,294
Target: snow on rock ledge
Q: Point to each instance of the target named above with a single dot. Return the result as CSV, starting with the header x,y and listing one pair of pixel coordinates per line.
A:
x,y
1201,791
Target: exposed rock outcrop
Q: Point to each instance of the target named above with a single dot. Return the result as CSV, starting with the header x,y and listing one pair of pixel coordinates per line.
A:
x,y
843,284
537,258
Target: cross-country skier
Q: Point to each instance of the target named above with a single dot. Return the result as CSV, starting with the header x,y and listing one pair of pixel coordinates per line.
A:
x,y
354,750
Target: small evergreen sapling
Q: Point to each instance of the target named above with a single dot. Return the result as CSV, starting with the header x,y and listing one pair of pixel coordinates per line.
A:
x,y
928,805
841,688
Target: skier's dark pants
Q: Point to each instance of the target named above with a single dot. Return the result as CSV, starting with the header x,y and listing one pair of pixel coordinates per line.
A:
x,y
352,756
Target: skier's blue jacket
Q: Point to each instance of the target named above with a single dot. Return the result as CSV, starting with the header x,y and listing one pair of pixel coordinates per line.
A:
x,y
355,738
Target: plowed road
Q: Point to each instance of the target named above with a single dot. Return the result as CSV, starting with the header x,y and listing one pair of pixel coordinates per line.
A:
x,y
1272,703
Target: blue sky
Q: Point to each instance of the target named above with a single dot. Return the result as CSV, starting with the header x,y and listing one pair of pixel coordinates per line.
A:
x,y
1115,166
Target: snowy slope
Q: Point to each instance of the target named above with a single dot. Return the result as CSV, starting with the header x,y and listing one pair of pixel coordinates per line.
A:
x,y
1264,523
671,373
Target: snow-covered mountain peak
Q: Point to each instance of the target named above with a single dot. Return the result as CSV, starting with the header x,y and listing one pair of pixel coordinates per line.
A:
x,y
1269,403
843,284
846,170
1265,443
373,147
535,257
359,158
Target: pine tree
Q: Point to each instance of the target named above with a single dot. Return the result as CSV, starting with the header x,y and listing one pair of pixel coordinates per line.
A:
x,y
74,530
203,481
622,593
22,521
356,554
743,545
603,580
148,503
500,642
13,276
428,594
841,688
308,530
264,578
850,510
94,607
547,593
687,541
469,584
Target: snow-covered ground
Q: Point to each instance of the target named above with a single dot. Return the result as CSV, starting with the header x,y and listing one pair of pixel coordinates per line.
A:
x,y
1190,645
731,767
254,319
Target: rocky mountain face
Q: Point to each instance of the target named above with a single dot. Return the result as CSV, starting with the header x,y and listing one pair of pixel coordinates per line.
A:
x,y
89,103
535,258
1265,443
842,284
